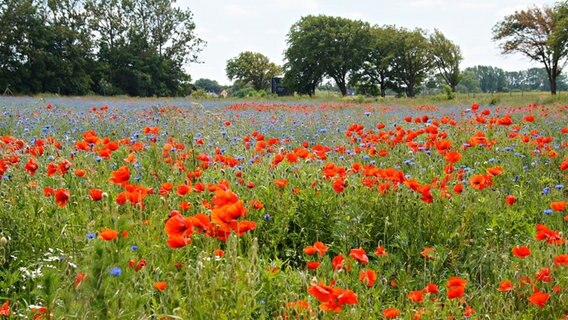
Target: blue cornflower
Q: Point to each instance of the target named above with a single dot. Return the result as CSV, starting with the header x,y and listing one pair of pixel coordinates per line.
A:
x,y
559,186
548,211
546,190
267,217
134,248
115,271
91,235
367,113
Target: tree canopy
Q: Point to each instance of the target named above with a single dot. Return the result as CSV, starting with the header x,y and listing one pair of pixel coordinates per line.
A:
x,y
446,58
75,47
538,33
321,46
252,68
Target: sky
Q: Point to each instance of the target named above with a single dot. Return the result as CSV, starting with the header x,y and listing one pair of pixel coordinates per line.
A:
x,y
232,26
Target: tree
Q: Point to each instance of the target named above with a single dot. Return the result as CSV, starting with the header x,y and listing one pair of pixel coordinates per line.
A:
x,y
491,79
413,60
68,47
209,85
142,46
254,68
321,46
469,82
447,57
21,32
540,34
376,69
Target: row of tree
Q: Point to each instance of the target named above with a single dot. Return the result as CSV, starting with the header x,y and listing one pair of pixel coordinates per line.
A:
x,y
493,79
375,59
76,47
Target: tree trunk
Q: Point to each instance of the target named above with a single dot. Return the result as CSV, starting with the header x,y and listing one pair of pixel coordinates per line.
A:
x,y
382,87
553,84
342,87
410,90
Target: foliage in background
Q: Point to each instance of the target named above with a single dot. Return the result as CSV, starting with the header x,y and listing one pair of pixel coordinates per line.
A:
x,y
106,47
540,34
252,68
447,58
321,46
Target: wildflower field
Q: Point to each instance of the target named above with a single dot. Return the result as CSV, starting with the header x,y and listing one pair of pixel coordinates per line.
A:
x,y
282,211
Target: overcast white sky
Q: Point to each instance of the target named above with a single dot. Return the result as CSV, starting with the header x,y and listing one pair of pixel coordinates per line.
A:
x,y
233,26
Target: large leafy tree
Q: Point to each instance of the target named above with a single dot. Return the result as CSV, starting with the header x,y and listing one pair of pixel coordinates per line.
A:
x,y
137,47
252,68
376,69
21,31
321,46
68,47
540,34
446,57
143,46
413,60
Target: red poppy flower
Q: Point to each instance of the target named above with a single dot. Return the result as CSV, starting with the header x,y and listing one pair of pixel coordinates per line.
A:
x,y
561,260
456,282
505,286
120,176
539,299
62,197
381,251
31,166
360,255
521,251
391,313
312,265
319,247
543,275
495,171
510,199
5,309
458,188
456,292
431,288
478,181
160,285
108,234
281,183
322,292
368,277
182,190
453,157
96,194
468,312
81,276
48,192
551,236
256,205
177,242
558,205
338,262
184,205
415,296
178,226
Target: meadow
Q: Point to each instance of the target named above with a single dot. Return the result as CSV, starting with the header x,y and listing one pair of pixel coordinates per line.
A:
x,y
153,209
